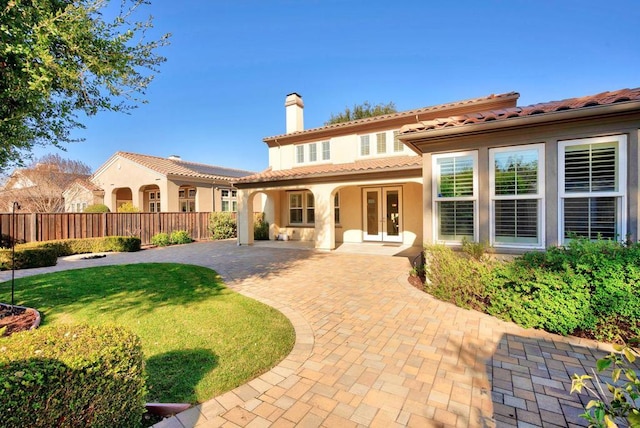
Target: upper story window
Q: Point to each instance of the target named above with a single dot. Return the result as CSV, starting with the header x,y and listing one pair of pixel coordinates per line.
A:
x,y
364,145
455,199
313,152
379,144
326,150
229,200
516,177
299,154
592,187
398,147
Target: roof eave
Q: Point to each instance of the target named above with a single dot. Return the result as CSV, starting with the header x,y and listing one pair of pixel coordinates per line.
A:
x,y
411,139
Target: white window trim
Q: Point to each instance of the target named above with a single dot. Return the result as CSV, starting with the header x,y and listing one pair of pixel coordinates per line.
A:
x,y
620,194
390,136
232,196
539,196
304,208
435,198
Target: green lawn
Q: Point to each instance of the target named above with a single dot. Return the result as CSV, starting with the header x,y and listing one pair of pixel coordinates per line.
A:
x,y
199,338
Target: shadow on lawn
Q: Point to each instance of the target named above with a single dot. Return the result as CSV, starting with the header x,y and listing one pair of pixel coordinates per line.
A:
x,y
174,376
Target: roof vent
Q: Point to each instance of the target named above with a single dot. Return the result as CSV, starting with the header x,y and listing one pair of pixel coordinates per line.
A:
x,y
174,157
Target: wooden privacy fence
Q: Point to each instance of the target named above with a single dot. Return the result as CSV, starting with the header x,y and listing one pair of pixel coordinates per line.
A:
x,y
31,227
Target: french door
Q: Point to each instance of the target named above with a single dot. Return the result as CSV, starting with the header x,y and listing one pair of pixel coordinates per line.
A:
x,y
382,214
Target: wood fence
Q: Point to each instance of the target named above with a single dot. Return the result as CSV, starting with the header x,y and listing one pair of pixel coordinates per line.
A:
x,y
31,227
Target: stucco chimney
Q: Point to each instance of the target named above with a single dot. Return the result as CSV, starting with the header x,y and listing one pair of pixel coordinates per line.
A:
x,y
294,108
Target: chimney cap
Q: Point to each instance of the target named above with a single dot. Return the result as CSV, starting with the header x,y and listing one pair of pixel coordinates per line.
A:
x,y
175,157
293,99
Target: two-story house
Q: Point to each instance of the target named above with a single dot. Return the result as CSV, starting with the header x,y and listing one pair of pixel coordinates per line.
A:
x,y
484,170
349,182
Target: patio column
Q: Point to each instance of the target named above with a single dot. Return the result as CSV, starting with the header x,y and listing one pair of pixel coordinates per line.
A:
x,y
325,227
245,217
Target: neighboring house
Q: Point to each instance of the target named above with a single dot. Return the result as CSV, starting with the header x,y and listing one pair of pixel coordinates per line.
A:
x,y
154,184
484,170
346,182
37,189
80,194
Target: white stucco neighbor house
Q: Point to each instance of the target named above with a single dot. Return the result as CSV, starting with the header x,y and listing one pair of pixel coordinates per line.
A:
x,y
483,169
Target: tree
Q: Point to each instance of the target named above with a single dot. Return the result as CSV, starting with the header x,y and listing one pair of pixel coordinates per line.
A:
x,y
39,187
361,111
63,58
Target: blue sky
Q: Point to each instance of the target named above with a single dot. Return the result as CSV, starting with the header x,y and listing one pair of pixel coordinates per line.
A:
x,y
231,63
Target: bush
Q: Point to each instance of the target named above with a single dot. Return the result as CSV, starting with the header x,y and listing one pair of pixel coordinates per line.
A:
x,y
180,237
28,258
222,225
128,207
587,287
72,376
161,239
260,228
456,277
97,208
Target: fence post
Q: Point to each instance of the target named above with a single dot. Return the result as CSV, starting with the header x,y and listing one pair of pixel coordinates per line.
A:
x,y
34,227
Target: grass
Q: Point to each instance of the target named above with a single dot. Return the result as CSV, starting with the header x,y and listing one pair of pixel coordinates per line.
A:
x,y
199,338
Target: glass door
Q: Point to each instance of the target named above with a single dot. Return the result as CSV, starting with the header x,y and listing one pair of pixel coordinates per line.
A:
x,y
382,214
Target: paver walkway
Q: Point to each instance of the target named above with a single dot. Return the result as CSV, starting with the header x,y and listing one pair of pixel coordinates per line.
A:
x,y
373,351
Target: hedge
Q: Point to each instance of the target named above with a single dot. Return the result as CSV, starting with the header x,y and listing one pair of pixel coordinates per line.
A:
x,y
72,376
45,253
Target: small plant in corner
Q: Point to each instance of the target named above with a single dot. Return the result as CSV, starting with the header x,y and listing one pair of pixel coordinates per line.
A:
x,y
618,404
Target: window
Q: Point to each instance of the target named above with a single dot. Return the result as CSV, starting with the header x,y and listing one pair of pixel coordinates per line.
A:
x,y
455,196
154,201
300,154
336,208
397,144
592,187
517,195
313,152
364,145
187,199
326,150
381,143
229,200
301,208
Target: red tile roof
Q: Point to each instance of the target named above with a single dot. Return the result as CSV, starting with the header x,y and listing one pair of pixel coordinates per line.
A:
x,y
604,98
402,114
396,163
176,166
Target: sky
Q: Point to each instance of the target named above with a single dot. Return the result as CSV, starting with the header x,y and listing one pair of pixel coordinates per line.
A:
x,y
231,64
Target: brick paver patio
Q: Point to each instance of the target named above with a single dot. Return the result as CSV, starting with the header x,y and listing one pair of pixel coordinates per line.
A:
x,y
373,351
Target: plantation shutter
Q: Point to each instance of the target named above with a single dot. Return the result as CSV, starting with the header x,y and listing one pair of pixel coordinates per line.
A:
x,y
455,198
590,168
516,195
381,140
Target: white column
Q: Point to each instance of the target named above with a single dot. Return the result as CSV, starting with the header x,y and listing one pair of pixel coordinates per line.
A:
x,y
245,218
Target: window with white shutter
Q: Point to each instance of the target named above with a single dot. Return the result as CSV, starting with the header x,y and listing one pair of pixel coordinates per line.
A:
x,y
517,196
455,196
592,187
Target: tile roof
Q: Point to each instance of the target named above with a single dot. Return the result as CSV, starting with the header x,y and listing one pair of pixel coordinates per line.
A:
x,y
604,98
395,163
89,185
401,114
176,166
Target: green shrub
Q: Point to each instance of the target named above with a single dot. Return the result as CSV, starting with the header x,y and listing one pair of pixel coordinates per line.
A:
x,y
68,247
28,258
72,376
260,227
161,239
97,208
180,237
222,225
455,277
